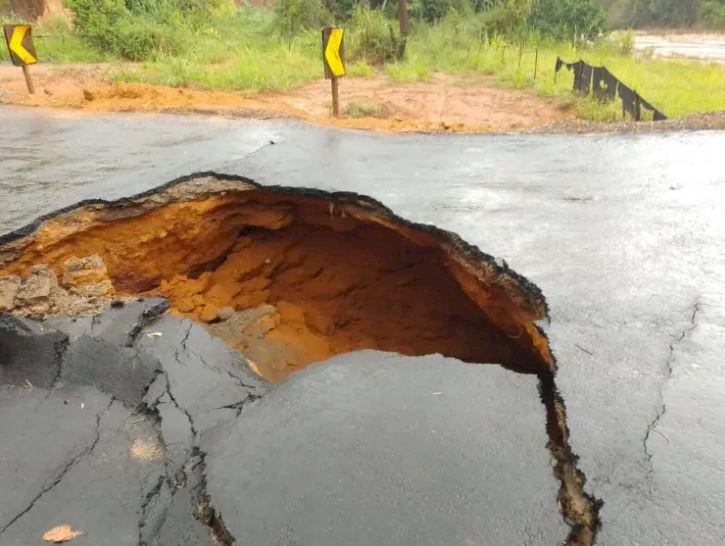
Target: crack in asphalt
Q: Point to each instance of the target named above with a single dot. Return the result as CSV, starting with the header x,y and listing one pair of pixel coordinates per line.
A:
x,y
60,347
579,509
146,318
145,502
183,343
239,406
66,468
668,370
202,508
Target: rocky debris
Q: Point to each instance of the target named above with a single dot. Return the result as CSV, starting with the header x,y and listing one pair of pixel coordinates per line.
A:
x,y
36,291
87,277
9,287
249,330
85,289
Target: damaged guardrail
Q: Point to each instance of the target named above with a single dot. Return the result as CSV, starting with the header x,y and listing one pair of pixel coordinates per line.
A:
x,y
600,82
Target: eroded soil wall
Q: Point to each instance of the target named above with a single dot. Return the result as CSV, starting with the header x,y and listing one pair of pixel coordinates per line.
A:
x,y
292,276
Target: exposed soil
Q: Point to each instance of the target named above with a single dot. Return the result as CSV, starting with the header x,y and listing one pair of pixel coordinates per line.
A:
x,y
288,277
435,106
291,277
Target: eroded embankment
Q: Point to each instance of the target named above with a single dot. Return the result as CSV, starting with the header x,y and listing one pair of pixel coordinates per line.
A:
x,y
294,276
311,274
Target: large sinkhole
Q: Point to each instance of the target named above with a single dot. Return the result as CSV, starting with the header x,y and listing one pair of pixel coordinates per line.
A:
x,y
291,277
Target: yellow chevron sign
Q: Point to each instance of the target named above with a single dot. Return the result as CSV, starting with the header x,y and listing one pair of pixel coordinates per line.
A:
x,y
334,63
20,44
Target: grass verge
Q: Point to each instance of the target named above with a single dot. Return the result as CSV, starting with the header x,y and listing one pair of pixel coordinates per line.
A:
x,y
239,50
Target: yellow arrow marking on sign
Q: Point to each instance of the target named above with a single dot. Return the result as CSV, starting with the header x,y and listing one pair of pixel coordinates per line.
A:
x,y
332,53
16,44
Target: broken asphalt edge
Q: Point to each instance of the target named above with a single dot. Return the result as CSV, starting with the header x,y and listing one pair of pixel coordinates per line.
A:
x,y
579,509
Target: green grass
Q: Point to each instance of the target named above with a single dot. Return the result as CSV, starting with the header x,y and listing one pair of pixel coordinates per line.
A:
x,y
239,50
55,42
360,69
677,87
366,109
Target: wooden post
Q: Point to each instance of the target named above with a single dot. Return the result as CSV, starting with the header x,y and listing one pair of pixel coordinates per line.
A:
x,y
335,97
28,79
536,64
637,107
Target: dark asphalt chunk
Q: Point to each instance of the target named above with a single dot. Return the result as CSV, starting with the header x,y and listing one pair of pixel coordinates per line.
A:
x,y
102,492
29,354
206,378
43,433
120,325
373,448
117,370
112,448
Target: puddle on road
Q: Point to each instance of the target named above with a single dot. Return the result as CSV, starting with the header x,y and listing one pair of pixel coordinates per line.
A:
x,y
295,276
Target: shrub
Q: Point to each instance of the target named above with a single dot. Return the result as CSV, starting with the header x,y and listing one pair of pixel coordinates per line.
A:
x,y
294,16
137,29
431,10
372,37
341,10
620,41
712,14
567,19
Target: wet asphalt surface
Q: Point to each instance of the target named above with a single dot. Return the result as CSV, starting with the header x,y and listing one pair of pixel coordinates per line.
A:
x,y
623,234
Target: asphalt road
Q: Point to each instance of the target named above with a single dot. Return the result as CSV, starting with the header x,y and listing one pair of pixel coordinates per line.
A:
x,y
624,235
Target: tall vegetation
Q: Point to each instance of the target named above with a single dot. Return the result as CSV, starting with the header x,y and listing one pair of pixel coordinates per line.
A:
x,y
137,29
665,13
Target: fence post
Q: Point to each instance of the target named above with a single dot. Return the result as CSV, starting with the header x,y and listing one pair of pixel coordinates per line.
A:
x,y
536,64
637,107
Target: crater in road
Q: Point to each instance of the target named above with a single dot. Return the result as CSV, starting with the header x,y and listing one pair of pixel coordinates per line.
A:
x,y
289,277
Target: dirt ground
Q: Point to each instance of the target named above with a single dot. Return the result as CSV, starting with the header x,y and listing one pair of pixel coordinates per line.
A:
x,y
377,103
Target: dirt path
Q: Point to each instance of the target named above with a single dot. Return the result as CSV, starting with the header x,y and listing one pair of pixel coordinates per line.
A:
x,y
442,104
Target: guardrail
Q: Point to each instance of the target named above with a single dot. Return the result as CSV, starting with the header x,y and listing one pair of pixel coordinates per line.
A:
x,y
600,82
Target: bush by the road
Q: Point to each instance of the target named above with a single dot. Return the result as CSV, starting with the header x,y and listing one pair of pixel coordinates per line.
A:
x,y
665,13
215,45
138,29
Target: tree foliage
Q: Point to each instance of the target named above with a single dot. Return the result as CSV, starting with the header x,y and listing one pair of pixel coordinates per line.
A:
x,y
665,13
136,29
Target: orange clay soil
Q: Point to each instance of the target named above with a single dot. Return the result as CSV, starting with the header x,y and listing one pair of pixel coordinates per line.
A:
x,y
438,105
291,277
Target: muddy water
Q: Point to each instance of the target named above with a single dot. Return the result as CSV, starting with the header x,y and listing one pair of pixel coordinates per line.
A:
x,y
709,47
624,234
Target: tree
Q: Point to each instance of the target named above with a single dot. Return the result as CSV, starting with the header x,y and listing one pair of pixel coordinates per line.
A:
x,y
567,18
404,23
